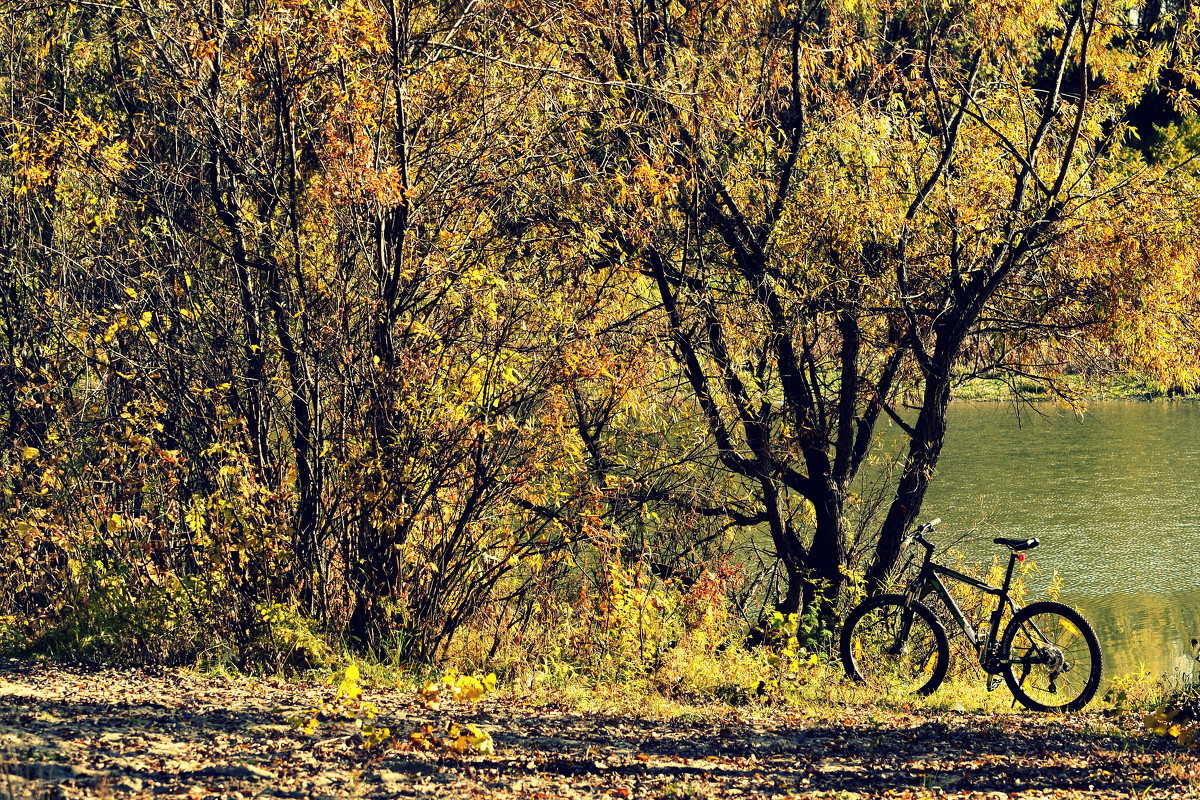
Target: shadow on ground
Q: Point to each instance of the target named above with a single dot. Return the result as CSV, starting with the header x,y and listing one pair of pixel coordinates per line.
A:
x,y
75,732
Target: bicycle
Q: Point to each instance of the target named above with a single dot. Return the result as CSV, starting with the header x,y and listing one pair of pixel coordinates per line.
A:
x,y
1048,655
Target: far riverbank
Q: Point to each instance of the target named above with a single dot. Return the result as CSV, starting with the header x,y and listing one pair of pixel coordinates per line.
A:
x,y
1084,389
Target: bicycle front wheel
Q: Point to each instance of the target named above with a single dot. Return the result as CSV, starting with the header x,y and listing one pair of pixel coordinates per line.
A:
x,y
888,646
1051,658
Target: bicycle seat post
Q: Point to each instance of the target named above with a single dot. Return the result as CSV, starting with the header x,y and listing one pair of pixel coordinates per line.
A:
x,y
1018,548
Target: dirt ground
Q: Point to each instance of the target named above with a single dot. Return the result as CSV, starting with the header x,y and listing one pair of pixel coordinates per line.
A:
x,y
75,732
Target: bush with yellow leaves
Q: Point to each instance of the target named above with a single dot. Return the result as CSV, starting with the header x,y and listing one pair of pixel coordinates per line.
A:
x,y
346,708
455,688
458,688
460,738
1181,723
1179,716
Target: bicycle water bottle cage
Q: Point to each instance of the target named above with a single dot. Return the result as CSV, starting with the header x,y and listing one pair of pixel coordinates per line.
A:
x,y
1018,544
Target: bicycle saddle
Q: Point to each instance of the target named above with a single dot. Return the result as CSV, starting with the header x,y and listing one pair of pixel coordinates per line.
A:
x,y
1018,544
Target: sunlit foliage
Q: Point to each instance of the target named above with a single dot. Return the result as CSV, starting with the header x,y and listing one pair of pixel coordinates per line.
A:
x,y
369,319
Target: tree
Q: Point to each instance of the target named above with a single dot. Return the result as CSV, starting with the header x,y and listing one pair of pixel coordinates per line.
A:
x,y
401,331
371,309
842,211
327,334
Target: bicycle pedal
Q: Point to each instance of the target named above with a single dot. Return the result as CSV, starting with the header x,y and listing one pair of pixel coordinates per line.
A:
x,y
993,682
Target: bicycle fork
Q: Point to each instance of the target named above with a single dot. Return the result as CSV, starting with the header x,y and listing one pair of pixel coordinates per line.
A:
x,y
901,641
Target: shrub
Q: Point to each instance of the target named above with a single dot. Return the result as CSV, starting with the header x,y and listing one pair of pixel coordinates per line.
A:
x,y
1178,715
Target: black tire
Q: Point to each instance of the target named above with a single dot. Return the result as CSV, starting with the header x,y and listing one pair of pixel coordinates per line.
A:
x,y
872,653
1051,658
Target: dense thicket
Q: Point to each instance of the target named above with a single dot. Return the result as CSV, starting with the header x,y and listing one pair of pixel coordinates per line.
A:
x,y
396,316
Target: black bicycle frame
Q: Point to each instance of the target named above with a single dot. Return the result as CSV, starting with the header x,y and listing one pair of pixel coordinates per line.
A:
x,y
928,578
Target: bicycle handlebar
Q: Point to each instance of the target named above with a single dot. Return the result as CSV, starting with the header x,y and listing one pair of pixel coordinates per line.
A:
x,y
916,536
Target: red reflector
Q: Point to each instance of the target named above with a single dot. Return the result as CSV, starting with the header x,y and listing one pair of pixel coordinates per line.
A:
x,y
1020,556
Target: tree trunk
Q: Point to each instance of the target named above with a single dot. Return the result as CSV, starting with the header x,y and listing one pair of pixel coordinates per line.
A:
x,y
925,447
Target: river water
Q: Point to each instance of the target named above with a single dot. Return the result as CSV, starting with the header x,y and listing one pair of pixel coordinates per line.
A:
x,y
1114,497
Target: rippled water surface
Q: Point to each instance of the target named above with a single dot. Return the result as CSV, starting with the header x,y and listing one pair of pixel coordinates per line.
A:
x,y
1114,498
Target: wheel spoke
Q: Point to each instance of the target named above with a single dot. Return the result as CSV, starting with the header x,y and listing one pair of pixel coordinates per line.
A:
x,y
894,648
1058,658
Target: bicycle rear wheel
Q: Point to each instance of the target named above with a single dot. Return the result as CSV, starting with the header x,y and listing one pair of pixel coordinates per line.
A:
x,y
888,646
1051,657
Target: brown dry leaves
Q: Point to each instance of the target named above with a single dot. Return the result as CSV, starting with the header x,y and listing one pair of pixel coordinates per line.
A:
x,y
68,732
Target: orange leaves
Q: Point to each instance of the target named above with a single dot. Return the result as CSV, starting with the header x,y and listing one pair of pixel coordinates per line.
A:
x,y
352,173
1134,266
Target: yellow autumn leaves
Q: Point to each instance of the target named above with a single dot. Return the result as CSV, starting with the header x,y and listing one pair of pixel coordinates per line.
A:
x,y
1175,723
348,706
462,739
458,688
